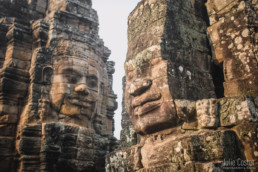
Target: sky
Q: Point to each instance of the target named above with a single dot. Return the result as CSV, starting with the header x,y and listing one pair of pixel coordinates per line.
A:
x,y
113,16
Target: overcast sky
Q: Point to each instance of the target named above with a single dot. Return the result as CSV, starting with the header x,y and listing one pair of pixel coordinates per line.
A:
x,y
113,30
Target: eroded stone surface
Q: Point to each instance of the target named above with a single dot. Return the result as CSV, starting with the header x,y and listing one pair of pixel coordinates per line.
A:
x,y
57,103
170,96
234,111
232,36
128,136
161,67
207,113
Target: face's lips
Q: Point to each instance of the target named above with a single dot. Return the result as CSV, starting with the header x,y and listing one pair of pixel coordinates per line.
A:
x,y
146,108
145,98
146,103
80,101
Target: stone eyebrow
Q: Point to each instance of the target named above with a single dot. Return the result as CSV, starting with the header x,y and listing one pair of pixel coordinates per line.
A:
x,y
69,70
92,77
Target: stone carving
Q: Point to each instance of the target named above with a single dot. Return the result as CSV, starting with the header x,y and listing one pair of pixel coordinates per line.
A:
x,y
57,102
207,113
157,72
75,90
147,96
171,89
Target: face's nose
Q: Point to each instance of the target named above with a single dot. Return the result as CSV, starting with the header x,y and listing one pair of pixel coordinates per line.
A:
x,y
81,89
139,86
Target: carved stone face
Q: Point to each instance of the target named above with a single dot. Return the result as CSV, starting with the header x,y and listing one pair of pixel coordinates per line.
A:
x,y
75,88
147,95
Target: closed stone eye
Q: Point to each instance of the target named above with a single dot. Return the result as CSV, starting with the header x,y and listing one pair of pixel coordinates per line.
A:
x,y
92,81
71,79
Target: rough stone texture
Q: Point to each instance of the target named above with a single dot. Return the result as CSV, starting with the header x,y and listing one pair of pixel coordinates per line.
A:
x,y
235,110
206,148
172,80
233,36
207,113
56,98
165,62
128,136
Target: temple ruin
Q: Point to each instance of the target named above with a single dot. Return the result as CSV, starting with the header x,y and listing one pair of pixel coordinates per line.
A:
x,y
190,89
190,99
57,103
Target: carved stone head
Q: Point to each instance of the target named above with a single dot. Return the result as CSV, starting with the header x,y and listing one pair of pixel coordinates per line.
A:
x,y
55,85
165,66
76,89
147,95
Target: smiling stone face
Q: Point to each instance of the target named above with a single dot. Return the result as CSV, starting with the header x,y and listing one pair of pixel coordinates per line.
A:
x,y
56,85
147,94
165,66
75,88
147,98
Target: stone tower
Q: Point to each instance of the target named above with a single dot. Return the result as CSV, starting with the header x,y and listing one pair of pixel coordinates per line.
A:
x,y
191,95
56,97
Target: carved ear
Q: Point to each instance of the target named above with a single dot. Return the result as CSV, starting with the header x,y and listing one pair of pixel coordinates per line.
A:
x,y
98,123
102,88
47,74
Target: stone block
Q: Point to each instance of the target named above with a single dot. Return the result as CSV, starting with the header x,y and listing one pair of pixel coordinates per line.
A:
x,y
186,109
128,137
206,146
85,141
20,64
8,109
68,153
124,160
86,154
18,53
5,163
248,134
32,131
207,113
241,87
6,146
210,166
30,145
13,88
68,140
162,168
8,119
233,111
190,125
7,130
231,37
16,74
30,163
215,6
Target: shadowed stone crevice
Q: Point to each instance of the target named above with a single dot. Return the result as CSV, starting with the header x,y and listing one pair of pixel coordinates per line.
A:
x,y
218,79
